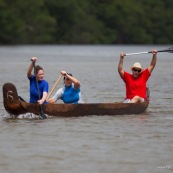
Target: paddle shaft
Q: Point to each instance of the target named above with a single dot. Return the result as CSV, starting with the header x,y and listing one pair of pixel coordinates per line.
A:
x,y
54,87
42,116
138,53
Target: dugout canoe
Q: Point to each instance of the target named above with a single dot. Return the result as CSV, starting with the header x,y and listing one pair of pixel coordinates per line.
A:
x,y
15,106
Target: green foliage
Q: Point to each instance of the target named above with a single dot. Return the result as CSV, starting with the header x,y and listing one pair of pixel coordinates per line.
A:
x,y
25,22
86,22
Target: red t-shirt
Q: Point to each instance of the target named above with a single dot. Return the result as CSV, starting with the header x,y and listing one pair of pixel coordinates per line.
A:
x,y
136,86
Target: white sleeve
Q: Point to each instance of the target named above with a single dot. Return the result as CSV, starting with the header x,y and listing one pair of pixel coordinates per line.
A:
x,y
58,94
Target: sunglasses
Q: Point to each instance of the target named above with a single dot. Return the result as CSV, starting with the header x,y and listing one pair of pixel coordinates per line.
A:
x,y
136,70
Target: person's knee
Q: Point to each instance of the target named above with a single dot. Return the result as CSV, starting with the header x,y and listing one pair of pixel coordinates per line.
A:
x,y
136,99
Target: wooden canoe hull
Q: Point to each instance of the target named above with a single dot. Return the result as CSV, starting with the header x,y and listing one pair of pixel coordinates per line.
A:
x,y
15,106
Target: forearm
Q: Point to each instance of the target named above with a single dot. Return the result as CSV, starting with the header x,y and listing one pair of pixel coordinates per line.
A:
x,y
120,65
29,72
44,96
41,101
74,80
154,60
51,100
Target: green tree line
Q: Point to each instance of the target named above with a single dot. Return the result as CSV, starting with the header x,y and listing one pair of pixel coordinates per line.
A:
x,y
86,21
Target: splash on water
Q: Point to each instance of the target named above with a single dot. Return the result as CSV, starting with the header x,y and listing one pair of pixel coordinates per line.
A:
x,y
22,116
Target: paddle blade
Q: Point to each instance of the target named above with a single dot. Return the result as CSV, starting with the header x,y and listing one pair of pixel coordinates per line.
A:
x,y
42,115
169,50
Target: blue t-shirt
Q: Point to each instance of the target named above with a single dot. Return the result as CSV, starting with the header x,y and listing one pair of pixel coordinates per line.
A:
x,y
43,87
68,95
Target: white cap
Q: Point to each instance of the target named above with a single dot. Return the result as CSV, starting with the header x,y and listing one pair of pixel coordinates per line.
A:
x,y
136,65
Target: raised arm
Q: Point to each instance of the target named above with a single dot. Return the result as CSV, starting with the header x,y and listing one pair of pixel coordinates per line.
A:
x,y
153,61
29,72
120,65
74,80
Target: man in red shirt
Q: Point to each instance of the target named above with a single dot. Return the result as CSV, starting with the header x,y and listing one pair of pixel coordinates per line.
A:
x,y
136,82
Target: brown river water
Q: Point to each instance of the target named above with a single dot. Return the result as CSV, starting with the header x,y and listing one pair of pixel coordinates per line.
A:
x,y
97,144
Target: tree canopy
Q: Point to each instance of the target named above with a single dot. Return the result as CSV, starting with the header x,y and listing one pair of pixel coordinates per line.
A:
x,y
86,22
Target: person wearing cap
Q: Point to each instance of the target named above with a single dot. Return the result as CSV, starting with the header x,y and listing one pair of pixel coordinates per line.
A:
x,y
136,82
70,92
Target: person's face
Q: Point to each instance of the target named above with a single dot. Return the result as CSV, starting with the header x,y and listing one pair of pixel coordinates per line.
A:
x,y
136,72
40,75
67,82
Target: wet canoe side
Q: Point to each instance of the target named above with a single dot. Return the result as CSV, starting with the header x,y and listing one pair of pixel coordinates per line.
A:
x,y
15,106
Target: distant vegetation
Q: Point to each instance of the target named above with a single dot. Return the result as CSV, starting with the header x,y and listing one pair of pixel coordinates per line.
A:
x,y
86,22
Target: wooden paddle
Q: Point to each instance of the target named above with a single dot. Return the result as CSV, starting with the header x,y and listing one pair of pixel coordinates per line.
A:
x,y
169,50
54,87
42,115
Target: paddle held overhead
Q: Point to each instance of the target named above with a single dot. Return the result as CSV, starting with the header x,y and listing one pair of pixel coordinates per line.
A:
x,y
169,50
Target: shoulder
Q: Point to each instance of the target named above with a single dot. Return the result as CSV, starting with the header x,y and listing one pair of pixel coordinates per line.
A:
x,y
146,71
73,86
126,74
60,91
58,94
44,82
32,77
